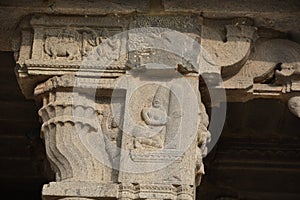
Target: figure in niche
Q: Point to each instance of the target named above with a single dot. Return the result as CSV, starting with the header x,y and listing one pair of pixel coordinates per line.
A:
x,y
155,119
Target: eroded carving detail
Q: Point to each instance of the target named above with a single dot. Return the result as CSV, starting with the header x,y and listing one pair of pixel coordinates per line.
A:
x,y
73,44
294,105
203,137
65,44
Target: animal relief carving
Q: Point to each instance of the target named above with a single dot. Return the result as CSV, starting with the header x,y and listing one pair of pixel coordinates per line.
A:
x,y
65,44
72,44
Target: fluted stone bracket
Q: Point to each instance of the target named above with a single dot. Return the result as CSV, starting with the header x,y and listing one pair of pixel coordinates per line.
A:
x,y
69,118
272,69
75,121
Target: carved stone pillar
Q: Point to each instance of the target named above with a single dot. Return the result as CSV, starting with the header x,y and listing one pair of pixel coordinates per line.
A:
x,y
122,115
145,144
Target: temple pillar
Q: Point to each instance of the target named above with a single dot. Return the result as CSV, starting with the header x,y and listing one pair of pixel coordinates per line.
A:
x,y
122,115
122,112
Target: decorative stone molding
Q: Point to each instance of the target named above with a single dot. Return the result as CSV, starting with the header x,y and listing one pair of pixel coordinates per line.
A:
x,y
156,192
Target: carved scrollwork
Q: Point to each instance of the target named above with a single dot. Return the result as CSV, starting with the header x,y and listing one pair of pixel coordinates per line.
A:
x,y
276,59
272,71
230,54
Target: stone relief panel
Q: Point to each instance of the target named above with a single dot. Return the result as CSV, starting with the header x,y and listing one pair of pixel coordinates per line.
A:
x,y
64,42
159,142
74,44
69,43
152,118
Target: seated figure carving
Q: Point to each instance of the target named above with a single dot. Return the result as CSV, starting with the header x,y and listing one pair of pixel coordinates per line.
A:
x,y
155,118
